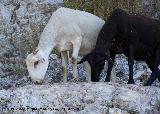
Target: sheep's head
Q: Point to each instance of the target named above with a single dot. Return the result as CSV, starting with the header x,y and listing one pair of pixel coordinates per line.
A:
x,y
97,62
37,65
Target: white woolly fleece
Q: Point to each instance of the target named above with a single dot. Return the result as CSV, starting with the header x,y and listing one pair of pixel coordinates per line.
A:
x,y
66,29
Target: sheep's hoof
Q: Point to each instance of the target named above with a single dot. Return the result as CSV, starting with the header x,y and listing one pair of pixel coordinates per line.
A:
x,y
107,80
131,82
146,85
63,81
74,80
159,78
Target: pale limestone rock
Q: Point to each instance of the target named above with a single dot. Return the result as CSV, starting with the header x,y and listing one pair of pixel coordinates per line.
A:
x,y
75,98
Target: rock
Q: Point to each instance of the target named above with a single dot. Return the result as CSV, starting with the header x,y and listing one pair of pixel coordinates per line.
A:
x,y
117,111
21,23
151,8
89,99
78,98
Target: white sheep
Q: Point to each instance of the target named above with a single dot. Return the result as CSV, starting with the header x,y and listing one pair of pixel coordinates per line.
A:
x,y
67,29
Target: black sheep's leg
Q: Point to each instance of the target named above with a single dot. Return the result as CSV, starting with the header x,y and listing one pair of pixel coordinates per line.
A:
x,y
131,63
159,78
154,74
156,71
93,79
158,75
110,66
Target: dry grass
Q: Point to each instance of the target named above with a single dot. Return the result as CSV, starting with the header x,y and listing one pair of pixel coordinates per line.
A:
x,y
102,8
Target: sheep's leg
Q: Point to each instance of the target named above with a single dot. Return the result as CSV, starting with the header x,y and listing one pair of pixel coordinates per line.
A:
x,y
154,74
88,70
159,78
158,62
131,63
158,75
76,48
68,57
156,71
110,66
75,72
64,66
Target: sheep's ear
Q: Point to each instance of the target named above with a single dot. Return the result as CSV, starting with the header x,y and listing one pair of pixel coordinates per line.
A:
x,y
42,60
85,58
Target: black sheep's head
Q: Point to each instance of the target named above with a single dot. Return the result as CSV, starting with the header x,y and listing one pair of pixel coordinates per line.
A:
x,y
97,62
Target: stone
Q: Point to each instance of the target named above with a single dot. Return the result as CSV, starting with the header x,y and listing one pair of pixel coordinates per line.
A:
x,y
78,98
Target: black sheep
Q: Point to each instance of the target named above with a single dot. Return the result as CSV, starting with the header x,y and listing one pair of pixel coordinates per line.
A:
x,y
137,36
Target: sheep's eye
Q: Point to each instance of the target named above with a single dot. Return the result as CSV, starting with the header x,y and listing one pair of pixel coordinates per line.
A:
x,y
35,64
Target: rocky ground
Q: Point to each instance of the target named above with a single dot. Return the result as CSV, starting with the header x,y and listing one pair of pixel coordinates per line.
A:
x,y
21,22
81,98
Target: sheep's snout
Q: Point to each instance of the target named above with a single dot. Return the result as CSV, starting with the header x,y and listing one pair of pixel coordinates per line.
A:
x,y
38,82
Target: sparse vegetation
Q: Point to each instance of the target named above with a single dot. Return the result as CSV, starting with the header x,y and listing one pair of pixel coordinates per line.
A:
x,y
102,8
17,69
